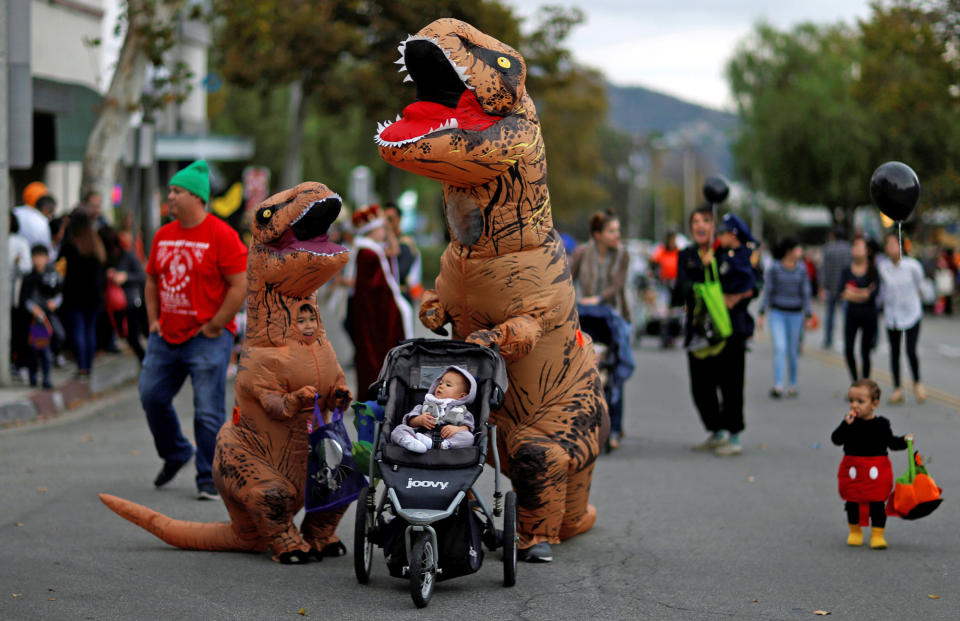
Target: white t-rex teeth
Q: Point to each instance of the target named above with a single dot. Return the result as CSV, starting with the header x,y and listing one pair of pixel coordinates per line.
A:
x,y
408,78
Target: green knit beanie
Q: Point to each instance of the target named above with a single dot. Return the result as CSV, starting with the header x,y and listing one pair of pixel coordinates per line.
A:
x,y
195,179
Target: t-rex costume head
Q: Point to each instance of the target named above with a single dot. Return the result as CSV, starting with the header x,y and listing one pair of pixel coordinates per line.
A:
x,y
290,257
260,464
473,124
504,278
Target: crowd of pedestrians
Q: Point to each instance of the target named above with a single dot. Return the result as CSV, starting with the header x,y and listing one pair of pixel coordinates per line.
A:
x,y
80,251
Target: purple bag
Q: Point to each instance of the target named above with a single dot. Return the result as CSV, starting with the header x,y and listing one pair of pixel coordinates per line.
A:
x,y
39,335
333,478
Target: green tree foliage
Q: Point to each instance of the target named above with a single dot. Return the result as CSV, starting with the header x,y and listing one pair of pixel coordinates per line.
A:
x,y
266,43
822,106
351,82
804,136
908,89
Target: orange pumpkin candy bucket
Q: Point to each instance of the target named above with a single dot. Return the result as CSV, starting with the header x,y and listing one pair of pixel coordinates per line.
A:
x,y
915,494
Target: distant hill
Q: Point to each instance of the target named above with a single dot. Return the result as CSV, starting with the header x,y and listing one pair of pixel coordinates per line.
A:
x,y
640,111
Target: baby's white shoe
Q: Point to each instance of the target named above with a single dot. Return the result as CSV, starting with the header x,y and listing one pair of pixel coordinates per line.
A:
x,y
426,440
445,444
412,444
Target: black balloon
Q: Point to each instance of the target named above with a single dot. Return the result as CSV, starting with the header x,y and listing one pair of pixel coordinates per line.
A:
x,y
895,189
716,189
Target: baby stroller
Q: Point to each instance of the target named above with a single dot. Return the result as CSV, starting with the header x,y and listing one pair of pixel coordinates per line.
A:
x,y
611,339
427,515
657,318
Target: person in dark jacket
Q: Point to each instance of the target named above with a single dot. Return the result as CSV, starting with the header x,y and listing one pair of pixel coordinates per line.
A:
x,y
716,381
83,285
859,287
40,296
124,270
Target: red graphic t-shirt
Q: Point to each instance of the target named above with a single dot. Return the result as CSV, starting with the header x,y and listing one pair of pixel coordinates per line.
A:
x,y
191,266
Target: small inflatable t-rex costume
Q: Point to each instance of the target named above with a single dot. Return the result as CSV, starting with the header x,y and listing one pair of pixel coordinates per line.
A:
x,y
504,278
260,464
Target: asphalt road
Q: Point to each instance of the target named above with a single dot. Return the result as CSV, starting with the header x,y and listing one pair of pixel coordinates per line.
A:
x,y
680,535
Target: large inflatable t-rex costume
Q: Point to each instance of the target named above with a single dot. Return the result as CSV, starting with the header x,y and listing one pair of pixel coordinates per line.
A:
x,y
504,278
260,464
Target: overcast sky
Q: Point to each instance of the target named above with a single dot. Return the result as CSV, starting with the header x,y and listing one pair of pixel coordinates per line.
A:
x,y
680,47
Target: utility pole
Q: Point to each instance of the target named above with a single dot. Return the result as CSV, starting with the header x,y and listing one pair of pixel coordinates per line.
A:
x,y
6,290
16,142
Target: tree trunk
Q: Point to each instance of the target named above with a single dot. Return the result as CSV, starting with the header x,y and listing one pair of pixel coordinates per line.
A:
x,y
293,162
108,137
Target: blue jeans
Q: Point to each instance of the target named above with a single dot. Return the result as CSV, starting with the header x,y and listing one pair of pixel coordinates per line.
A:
x,y
41,358
830,305
165,368
785,330
82,328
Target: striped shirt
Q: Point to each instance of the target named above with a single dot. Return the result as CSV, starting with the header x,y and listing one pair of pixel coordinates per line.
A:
x,y
786,290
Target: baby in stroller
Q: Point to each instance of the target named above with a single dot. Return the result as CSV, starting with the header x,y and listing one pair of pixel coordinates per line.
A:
x,y
424,508
443,412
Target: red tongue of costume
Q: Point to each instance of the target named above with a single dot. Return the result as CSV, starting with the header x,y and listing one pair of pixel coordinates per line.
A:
x,y
422,116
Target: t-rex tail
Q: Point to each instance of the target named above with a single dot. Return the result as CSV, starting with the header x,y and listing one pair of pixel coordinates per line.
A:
x,y
212,536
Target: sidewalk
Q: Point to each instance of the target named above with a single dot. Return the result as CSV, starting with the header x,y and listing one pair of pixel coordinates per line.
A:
x,y
21,403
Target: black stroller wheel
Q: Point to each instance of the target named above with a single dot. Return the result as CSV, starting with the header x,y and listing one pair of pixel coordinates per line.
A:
x,y
510,539
423,569
362,546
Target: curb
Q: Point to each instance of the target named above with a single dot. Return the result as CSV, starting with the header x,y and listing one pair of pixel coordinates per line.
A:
x,y
70,395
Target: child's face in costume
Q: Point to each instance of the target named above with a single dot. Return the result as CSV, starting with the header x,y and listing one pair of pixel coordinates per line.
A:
x,y
728,239
862,403
307,324
452,386
40,262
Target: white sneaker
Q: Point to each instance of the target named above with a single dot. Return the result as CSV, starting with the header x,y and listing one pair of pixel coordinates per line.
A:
x,y
445,444
412,444
728,449
711,443
425,440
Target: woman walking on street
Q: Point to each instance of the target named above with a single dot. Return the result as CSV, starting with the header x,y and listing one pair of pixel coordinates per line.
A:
x,y
902,277
599,267
83,285
126,272
599,270
716,379
787,296
859,286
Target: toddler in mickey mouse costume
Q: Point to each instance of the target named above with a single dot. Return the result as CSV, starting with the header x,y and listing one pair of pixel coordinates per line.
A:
x,y
444,406
865,475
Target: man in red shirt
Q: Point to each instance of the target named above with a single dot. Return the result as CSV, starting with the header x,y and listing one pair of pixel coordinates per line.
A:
x,y
196,283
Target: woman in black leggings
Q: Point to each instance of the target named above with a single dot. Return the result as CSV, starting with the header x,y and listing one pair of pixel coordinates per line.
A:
x,y
902,277
859,284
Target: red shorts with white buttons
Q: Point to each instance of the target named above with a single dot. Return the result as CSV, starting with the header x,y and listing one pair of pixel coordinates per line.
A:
x,y
865,479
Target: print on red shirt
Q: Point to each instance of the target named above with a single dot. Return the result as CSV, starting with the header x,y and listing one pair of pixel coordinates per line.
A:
x,y
191,266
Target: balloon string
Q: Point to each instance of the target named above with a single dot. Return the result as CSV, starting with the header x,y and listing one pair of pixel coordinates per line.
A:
x,y
713,229
900,236
903,333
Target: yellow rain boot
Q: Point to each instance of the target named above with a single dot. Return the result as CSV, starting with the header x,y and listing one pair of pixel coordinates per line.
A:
x,y
855,538
877,542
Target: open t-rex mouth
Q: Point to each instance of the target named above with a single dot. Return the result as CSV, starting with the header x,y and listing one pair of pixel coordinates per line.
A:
x,y
445,99
308,233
